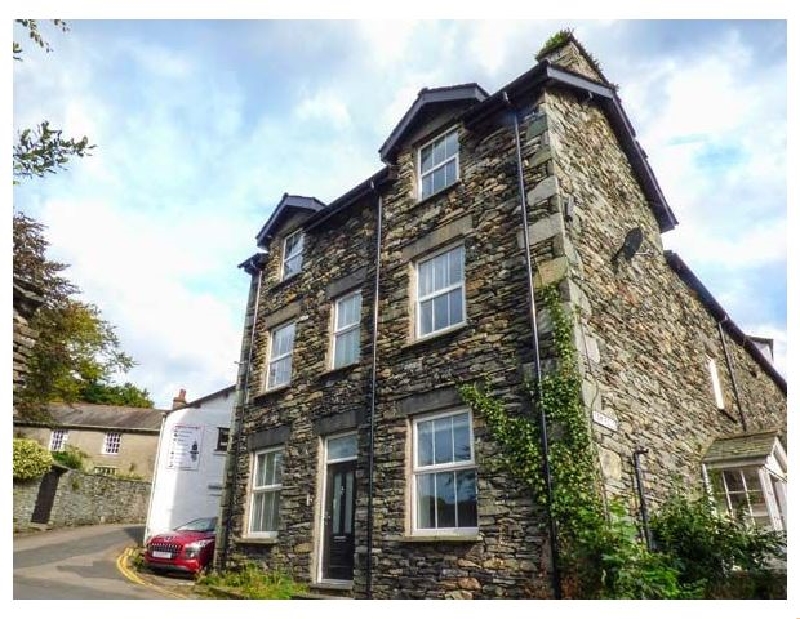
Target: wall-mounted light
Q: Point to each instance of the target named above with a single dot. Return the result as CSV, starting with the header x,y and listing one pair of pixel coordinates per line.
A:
x,y
633,240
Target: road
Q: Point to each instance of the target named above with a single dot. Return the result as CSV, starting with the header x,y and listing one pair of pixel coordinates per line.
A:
x,y
77,564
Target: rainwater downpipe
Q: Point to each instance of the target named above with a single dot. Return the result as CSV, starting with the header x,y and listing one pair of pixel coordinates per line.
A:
x,y
554,549
732,375
239,424
648,540
371,455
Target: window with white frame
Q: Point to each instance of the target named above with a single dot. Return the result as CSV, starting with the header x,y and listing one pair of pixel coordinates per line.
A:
x,y
712,370
440,292
111,443
105,470
279,371
444,474
438,164
347,330
58,440
266,492
752,492
292,254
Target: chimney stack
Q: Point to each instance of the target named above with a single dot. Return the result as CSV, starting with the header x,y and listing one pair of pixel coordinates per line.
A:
x,y
179,400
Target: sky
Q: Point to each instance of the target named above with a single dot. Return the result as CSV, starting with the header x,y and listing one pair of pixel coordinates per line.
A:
x,y
201,126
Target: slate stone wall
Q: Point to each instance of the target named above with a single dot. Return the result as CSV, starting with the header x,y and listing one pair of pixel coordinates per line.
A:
x,y
27,300
483,212
83,498
642,332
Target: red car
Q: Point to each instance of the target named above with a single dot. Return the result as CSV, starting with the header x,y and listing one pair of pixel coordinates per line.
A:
x,y
188,549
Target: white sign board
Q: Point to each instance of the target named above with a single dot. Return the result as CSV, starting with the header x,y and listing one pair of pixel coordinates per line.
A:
x,y
604,420
185,445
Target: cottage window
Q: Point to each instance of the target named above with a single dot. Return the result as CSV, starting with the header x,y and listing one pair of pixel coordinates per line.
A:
x,y
292,254
715,384
438,164
754,493
111,443
266,492
440,292
444,475
346,330
279,372
58,440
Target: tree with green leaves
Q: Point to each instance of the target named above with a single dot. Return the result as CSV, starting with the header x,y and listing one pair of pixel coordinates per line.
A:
x,y
77,352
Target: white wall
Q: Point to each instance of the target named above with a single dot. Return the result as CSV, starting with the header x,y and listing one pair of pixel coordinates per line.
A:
x,y
183,494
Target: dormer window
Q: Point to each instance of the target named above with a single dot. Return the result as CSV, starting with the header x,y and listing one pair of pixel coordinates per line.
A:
x,y
438,164
292,254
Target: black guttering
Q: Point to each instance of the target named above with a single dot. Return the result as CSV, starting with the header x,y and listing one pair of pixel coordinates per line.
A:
x,y
545,73
287,202
365,188
428,96
677,264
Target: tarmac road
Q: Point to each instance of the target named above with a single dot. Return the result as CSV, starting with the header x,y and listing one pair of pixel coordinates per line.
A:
x,y
77,564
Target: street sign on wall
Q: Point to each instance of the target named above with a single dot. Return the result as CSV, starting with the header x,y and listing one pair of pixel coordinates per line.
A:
x,y
185,447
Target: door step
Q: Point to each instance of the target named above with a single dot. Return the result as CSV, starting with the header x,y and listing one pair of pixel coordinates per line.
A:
x,y
329,591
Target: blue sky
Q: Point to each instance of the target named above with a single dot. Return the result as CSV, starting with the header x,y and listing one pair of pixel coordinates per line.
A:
x,y
201,126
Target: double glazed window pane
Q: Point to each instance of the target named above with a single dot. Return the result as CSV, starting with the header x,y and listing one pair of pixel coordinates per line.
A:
x,y
292,254
347,334
439,164
444,440
447,500
346,348
440,291
265,511
280,367
268,470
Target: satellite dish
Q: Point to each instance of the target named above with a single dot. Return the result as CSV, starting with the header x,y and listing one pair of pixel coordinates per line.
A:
x,y
633,241
631,244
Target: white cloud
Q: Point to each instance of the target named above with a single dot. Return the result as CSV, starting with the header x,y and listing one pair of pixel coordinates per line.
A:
x,y
325,106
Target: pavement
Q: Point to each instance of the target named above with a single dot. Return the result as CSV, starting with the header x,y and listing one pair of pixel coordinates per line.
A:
x,y
82,563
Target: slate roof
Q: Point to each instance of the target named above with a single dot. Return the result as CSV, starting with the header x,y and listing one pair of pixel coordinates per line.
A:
x,y
742,446
287,202
196,403
82,415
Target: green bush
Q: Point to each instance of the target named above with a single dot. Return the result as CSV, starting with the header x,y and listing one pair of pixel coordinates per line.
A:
x,y
72,457
255,583
31,460
713,549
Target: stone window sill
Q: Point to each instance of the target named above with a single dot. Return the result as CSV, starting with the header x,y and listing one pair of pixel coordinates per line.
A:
x,y
264,541
453,331
333,586
436,539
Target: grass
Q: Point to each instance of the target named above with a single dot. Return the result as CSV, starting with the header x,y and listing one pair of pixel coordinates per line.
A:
x,y
254,583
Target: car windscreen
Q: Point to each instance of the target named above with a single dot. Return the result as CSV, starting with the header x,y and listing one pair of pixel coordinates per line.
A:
x,y
200,524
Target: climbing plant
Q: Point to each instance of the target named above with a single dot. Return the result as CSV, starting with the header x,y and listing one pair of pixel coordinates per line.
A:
x,y
605,555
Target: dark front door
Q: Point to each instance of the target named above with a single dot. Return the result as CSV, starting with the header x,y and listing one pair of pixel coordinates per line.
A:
x,y
340,509
44,500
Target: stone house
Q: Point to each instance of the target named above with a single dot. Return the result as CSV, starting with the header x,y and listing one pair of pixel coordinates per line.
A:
x,y
353,461
117,440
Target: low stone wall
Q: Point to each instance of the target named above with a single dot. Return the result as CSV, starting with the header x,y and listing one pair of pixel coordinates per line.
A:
x,y
83,498
25,494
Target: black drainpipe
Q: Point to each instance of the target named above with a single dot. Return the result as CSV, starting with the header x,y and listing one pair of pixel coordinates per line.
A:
x,y
242,406
648,540
542,416
732,375
371,456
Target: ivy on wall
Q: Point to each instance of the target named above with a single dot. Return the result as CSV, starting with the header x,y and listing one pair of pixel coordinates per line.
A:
x,y
606,558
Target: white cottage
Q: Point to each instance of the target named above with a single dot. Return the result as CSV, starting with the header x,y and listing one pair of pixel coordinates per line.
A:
x,y
190,461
